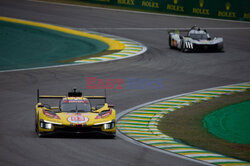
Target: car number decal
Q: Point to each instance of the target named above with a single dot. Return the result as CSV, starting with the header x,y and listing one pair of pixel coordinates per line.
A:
x,y
76,119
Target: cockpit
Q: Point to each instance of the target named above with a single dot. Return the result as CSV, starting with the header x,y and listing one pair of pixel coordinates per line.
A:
x,y
199,35
75,105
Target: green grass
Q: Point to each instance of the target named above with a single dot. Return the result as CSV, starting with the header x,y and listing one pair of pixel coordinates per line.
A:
x,y
186,126
24,46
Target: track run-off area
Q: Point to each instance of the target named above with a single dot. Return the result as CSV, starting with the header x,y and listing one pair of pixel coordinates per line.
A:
x,y
141,124
27,44
230,123
180,73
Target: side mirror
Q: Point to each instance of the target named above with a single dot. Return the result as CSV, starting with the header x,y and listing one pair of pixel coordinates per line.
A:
x,y
99,106
92,108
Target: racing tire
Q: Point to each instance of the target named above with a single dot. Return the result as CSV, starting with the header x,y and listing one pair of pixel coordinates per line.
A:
x,y
183,49
221,48
36,127
169,42
39,134
42,135
110,135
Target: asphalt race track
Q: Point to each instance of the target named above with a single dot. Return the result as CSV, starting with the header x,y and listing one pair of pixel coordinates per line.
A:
x,y
180,73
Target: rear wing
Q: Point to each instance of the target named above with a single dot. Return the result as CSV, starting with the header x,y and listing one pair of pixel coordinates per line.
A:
x,y
71,94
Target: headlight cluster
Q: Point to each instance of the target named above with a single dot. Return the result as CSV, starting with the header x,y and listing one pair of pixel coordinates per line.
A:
x,y
109,125
45,124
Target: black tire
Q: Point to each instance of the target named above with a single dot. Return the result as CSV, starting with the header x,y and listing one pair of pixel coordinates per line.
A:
x,y
36,123
221,48
183,46
36,128
110,135
39,134
169,42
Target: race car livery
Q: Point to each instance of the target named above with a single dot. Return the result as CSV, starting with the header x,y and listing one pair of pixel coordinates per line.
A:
x,y
74,115
195,39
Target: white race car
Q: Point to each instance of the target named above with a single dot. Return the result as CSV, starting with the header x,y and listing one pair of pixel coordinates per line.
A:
x,y
195,40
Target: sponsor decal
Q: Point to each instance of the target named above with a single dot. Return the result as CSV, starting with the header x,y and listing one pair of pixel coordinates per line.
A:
x,y
75,101
126,2
229,14
175,43
200,10
228,5
175,7
150,4
103,0
50,114
201,3
78,119
104,115
246,15
226,14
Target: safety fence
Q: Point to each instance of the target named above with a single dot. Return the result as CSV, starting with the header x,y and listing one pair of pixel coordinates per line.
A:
x,y
224,9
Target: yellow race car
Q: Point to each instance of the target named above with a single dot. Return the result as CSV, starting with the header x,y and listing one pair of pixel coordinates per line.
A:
x,y
74,115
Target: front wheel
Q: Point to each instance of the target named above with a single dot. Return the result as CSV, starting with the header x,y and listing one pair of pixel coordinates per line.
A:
x,y
183,48
110,134
169,42
39,134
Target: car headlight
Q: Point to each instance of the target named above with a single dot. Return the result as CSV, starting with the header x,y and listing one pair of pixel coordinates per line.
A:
x,y
46,124
109,125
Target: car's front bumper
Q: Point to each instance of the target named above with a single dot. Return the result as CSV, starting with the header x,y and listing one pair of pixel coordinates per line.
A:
x,y
50,128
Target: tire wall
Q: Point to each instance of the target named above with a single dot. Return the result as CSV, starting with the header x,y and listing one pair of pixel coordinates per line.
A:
x,y
223,9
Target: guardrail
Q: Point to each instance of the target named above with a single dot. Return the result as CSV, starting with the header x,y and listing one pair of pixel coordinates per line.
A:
x,y
224,9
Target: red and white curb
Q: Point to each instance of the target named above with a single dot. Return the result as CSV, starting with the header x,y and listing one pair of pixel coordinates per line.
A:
x,y
132,48
141,123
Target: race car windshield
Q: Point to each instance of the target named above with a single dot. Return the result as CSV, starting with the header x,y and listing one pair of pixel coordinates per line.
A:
x,y
199,36
75,107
